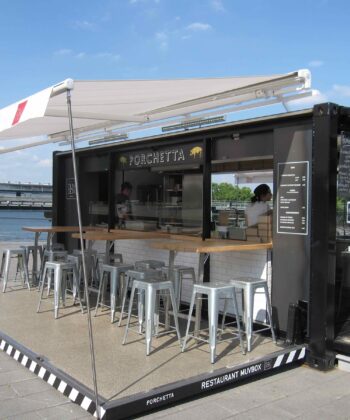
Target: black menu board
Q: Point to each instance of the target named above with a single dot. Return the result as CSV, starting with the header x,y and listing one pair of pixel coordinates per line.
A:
x,y
344,167
70,189
292,198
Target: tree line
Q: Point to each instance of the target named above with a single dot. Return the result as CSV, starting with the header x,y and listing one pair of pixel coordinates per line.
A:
x,y
228,192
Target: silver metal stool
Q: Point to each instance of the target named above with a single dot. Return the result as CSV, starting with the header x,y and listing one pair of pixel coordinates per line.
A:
x,y
214,291
53,247
130,276
92,267
180,271
61,271
249,286
112,272
150,288
32,250
149,264
57,247
21,264
103,258
113,258
76,260
51,256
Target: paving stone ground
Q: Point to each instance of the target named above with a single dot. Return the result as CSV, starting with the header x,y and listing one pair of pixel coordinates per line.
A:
x,y
25,396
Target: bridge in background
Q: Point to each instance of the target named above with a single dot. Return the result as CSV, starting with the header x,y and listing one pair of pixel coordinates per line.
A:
x,y
24,188
25,196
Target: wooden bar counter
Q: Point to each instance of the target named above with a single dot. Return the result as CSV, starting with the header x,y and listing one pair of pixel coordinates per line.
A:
x,y
209,245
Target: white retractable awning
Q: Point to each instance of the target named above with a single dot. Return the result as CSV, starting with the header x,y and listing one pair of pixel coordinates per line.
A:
x,y
114,106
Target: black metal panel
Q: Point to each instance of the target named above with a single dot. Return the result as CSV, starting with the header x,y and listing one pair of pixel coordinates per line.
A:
x,y
240,146
323,236
206,218
260,124
290,267
111,190
96,163
66,204
56,164
206,187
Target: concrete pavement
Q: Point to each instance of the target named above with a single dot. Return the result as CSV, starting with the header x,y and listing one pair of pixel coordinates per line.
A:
x,y
25,396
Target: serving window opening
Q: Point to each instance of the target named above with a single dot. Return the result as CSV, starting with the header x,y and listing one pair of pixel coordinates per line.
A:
x,y
235,212
165,199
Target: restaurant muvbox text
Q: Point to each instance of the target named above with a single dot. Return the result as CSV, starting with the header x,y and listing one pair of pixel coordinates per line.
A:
x,y
232,376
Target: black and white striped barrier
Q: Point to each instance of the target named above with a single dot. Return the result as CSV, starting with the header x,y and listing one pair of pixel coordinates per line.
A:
x,y
68,386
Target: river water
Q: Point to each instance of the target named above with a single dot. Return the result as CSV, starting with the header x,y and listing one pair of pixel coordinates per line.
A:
x,y
12,221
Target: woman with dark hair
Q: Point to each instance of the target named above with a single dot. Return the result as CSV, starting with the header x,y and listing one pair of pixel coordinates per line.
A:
x,y
258,206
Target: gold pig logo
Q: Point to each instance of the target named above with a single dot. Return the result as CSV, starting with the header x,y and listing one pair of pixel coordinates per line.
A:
x,y
196,152
123,160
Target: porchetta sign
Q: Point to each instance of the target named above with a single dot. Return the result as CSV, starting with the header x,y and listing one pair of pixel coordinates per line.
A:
x,y
176,155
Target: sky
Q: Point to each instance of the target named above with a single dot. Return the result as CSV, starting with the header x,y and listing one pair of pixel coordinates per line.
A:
x,y
44,42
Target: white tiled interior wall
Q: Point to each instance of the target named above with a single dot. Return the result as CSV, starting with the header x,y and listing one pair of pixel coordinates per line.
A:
x,y
223,267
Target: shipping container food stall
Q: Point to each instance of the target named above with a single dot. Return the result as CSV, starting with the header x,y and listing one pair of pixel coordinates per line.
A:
x,y
304,156
309,287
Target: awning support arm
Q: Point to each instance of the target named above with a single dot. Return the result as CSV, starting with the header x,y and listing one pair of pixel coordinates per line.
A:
x,y
86,289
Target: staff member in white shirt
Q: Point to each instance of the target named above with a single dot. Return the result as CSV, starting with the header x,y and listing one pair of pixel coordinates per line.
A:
x,y
259,205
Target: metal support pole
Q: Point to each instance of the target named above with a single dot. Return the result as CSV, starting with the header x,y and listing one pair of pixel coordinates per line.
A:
x,y
323,237
91,341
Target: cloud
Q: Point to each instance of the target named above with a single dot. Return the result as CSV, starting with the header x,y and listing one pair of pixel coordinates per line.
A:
x,y
199,26
316,63
162,39
28,165
85,25
309,101
81,55
341,90
183,33
63,51
143,1
45,163
217,5
108,55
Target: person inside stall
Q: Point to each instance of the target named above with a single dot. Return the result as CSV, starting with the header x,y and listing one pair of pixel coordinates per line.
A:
x,y
123,204
259,205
